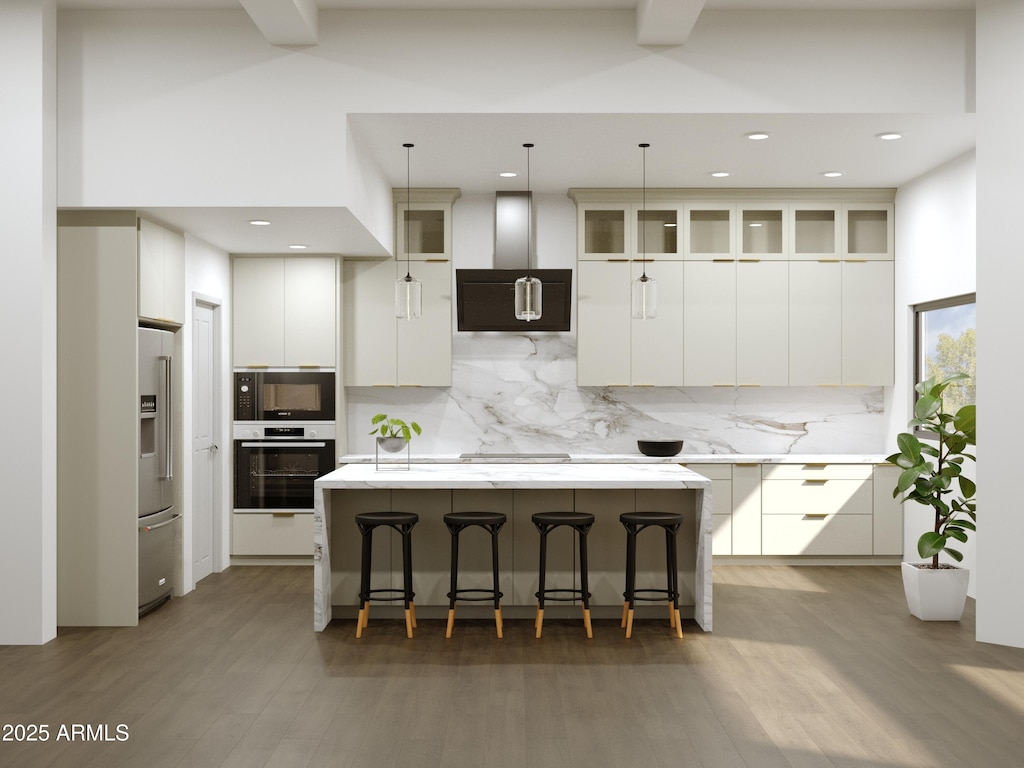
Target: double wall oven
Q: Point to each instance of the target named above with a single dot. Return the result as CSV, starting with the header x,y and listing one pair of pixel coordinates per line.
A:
x,y
283,438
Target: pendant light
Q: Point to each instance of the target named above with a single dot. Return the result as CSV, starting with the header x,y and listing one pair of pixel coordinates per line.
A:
x,y
528,288
408,290
645,289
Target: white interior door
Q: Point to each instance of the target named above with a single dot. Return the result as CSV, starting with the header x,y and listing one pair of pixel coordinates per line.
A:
x,y
204,438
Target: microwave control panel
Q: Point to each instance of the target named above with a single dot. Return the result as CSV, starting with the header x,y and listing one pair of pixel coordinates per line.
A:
x,y
245,397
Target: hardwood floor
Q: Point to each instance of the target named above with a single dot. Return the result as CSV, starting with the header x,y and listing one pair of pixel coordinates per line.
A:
x,y
806,667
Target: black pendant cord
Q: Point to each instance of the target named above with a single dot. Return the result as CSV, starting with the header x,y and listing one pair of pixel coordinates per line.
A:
x,y
643,218
408,205
529,212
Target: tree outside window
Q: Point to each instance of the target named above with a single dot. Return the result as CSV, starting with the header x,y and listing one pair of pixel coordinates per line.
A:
x,y
946,340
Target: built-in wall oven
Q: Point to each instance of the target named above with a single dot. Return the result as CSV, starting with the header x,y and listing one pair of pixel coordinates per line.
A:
x,y
276,465
272,396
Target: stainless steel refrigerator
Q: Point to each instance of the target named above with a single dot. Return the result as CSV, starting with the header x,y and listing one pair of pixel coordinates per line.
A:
x,y
158,520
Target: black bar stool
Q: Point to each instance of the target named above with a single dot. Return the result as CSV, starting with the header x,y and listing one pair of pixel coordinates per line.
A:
x,y
634,523
492,523
402,522
580,522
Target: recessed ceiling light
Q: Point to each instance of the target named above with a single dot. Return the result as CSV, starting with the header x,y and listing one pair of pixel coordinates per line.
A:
x,y
508,174
298,247
670,224
259,222
889,136
755,224
757,136
831,174
719,174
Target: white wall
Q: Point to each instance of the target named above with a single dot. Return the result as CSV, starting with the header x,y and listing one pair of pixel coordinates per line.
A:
x,y
1000,276
208,275
133,85
28,311
935,240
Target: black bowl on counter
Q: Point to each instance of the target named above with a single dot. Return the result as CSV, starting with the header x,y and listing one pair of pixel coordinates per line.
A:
x,y
659,447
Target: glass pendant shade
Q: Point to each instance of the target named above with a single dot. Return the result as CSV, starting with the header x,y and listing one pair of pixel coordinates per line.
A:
x,y
645,298
528,298
408,298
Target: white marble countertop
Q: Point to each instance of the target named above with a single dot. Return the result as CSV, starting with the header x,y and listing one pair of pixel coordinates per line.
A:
x,y
452,474
625,458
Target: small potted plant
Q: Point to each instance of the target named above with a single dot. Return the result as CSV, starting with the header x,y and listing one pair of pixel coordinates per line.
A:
x,y
932,474
393,434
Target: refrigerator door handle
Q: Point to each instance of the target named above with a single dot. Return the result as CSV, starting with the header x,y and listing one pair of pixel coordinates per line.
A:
x,y
168,420
147,528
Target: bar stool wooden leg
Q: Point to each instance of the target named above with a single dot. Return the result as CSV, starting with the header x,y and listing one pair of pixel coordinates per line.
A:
x,y
630,604
498,623
539,621
364,582
582,533
673,585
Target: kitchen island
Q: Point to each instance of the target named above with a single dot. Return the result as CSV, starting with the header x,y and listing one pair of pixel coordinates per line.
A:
x,y
519,489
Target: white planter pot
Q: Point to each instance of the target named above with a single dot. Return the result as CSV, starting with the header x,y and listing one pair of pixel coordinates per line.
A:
x,y
935,595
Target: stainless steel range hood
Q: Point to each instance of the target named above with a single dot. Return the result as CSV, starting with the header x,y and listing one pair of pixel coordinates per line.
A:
x,y
485,298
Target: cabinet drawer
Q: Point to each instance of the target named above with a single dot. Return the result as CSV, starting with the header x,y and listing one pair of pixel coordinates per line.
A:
x,y
817,496
828,535
269,534
816,471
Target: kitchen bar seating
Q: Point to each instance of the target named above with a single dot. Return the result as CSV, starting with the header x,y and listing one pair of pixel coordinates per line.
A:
x,y
580,522
635,522
492,523
403,523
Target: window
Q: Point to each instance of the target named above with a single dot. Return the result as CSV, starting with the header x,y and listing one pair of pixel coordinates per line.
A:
x,y
945,343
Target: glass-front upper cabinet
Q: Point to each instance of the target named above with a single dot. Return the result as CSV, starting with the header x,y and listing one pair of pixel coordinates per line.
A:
x,y
867,231
709,231
427,221
814,231
764,230
656,229
604,231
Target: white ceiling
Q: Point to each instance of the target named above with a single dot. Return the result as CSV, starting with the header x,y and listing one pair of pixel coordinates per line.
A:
x,y
579,150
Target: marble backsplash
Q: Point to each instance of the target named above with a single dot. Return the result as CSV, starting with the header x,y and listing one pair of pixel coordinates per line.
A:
x,y
518,393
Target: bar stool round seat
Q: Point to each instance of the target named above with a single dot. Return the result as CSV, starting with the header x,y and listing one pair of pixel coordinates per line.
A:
x,y
491,522
580,522
634,523
402,523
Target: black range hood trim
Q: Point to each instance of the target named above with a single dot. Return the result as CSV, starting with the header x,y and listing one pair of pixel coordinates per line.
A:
x,y
485,300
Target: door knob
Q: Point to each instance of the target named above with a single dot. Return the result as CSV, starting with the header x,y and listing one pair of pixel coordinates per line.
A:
x,y
213,448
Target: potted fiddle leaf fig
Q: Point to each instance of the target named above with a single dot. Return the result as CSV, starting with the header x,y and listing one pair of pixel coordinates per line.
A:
x,y
393,434
932,474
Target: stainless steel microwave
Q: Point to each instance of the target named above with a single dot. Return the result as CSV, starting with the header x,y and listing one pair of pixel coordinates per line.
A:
x,y
284,396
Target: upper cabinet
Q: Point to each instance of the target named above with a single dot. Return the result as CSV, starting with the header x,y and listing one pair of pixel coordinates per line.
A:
x,y
380,349
285,311
161,273
779,287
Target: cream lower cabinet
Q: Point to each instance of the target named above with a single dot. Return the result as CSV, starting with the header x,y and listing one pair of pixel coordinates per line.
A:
x,y
814,509
272,534
382,350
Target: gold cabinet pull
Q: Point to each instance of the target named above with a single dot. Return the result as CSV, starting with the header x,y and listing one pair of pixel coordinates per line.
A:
x,y
815,516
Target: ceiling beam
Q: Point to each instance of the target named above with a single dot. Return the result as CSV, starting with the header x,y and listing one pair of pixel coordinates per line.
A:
x,y
666,22
285,22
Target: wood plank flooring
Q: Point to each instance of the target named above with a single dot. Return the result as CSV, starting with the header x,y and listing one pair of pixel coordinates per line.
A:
x,y
808,667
